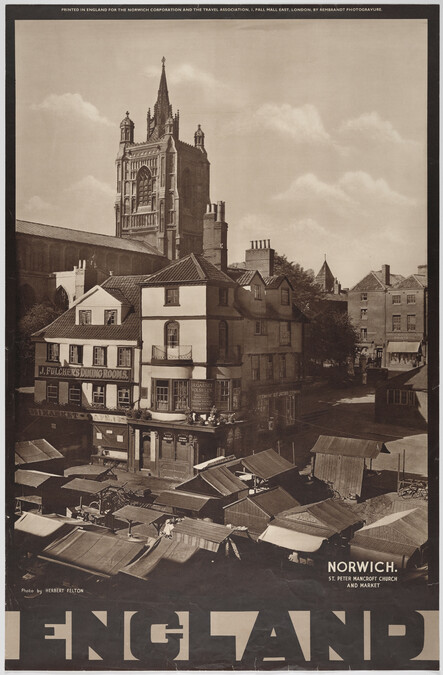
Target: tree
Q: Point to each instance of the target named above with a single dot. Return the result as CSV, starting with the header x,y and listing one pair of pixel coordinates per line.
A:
x,y
332,337
306,292
38,316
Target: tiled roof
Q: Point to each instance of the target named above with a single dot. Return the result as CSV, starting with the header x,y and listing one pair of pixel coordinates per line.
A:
x,y
246,278
191,269
373,282
274,281
415,281
124,288
80,237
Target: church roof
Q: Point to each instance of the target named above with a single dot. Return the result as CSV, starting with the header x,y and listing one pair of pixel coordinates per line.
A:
x,y
79,237
325,278
191,269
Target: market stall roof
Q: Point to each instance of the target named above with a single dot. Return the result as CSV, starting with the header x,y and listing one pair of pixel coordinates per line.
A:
x,y
267,464
274,501
92,487
101,554
202,529
164,549
183,500
214,461
289,539
137,514
30,499
41,526
39,450
403,347
324,519
222,480
93,470
410,527
351,447
32,478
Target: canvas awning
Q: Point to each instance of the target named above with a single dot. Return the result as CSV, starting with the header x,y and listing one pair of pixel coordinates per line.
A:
x,y
294,541
137,514
41,526
403,347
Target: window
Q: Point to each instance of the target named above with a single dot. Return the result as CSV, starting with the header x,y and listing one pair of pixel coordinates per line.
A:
x,y
285,333
255,366
84,317
172,334
222,391
171,296
282,366
396,322
110,317
363,333
285,296
410,322
269,367
410,299
98,394
363,313
144,186
99,356
257,289
123,397
162,394
363,297
76,354
52,392
222,296
260,328
52,352
222,339
180,394
124,357
401,397
396,299
75,393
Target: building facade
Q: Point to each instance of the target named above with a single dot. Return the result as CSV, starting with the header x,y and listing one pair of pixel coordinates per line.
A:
x,y
390,314
162,182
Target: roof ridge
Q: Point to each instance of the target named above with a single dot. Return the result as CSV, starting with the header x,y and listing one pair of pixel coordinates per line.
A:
x,y
200,270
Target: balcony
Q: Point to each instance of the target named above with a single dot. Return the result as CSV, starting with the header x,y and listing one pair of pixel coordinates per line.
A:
x,y
164,353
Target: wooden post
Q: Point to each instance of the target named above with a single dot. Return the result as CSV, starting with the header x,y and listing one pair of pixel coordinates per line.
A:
x,y
130,529
293,452
398,474
278,447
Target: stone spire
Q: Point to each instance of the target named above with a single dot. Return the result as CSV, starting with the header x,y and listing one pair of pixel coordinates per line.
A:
x,y
162,109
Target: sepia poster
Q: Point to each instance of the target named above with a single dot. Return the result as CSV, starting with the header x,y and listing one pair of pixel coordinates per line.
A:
x,y
222,345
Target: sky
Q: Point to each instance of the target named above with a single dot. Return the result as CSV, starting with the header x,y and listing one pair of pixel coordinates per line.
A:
x,y
315,129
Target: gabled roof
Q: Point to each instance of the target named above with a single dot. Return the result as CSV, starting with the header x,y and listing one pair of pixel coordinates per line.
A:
x,y
350,447
413,282
246,278
127,289
267,464
323,519
416,379
28,452
222,480
200,528
87,238
92,487
273,501
183,500
276,281
373,282
192,269
32,478
409,527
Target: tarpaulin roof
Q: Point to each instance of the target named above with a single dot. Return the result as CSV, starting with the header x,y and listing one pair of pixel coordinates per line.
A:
x,y
137,514
201,528
410,527
183,500
274,501
352,447
92,487
163,549
39,450
213,461
33,478
403,347
41,526
222,480
325,518
93,470
294,541
102,554
267,464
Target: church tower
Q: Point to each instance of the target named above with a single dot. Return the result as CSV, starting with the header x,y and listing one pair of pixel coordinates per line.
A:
x,y
162,182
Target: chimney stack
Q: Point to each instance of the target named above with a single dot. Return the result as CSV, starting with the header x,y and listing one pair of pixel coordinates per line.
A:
x,y
215,236
260,257
386,274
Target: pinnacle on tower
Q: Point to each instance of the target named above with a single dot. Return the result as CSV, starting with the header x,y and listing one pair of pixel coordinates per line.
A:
x,y
162,109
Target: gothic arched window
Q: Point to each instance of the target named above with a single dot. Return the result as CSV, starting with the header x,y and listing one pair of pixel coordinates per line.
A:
x,y
144,186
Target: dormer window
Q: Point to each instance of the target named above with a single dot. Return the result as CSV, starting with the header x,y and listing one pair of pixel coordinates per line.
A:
x,y
171,296
257,289
110,317
285,296
84,317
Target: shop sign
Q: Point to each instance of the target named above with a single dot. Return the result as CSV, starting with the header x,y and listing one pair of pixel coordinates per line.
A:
x,y
202,395
276,394
66,414
82,373
182,439
113,419
168,438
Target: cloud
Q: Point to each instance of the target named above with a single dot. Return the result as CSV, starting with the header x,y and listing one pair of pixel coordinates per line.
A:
x,y
361,187
310,189
303,124
37,205
92,186
372,128
186,73
72,104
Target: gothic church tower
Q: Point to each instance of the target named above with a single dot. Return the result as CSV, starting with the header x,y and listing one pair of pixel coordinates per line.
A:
x,y
162,182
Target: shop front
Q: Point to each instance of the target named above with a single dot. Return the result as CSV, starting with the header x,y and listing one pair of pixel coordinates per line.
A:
x,y
278,408
404,355
68,431
110,438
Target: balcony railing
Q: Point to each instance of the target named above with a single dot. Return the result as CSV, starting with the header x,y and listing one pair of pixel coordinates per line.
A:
x,y
178,353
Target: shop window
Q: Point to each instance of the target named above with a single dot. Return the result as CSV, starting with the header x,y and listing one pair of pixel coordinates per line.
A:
x,y
363,313
257,290
124,357
110,317
363,297
180,394
223,296
123,397
285,333
396,299
172,334
84,317
75,394
269,367
410,299
162,395
396,322
172,296
98,394
76,354
255,366
99,356
282,366
52,392
363,333
410,322
222,339
52,352
285,296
